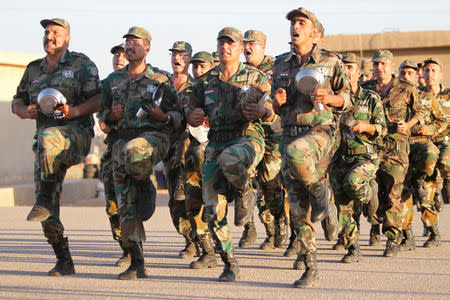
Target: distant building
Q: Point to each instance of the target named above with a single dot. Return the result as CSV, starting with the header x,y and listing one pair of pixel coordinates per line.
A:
x,y
404,45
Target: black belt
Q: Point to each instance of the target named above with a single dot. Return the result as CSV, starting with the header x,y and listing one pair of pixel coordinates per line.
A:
x,y
223,137
131,133
295,130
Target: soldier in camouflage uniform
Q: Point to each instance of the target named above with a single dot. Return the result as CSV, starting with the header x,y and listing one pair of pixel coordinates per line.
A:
x,y
270,199
402,110
143,139
119,61
60,142
309,132
432,73
201,62
422,174
229,95
181,52
353,173
366,71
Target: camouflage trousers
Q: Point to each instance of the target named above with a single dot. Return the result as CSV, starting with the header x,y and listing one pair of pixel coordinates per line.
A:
x,y
106,165
134,160
350,178
305,161
56,149
423,159
271,201
390,177
227,166
444,159
174,166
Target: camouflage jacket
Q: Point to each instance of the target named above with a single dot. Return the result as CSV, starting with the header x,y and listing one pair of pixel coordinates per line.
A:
x,y
444,100
76,77
433,118
299,109
366,107
266,66
401,103
118,88
222,101
183,96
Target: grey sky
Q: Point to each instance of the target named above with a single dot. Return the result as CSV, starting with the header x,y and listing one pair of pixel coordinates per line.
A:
x,y
98,25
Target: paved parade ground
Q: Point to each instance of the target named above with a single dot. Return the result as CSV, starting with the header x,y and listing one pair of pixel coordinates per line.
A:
x,y
25,258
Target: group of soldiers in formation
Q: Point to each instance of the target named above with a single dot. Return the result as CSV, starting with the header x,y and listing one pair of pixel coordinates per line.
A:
x,y
360,141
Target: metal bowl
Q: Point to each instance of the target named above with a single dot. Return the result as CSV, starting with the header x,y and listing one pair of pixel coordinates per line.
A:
x,y
307,80
48,99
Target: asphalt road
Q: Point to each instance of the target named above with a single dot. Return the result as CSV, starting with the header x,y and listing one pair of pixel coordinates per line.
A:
x,y
25,258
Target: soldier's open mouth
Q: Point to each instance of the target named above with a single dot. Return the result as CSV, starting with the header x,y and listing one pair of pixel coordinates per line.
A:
x,y
295,34
177,64
248,53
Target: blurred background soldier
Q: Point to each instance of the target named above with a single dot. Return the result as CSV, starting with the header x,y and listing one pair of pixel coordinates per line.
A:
x,y
366,71
216,58
270,198
62,140
433,75
181,52
144,129
353,173
201,62
119,61
402,110
230,96
422,174
309,131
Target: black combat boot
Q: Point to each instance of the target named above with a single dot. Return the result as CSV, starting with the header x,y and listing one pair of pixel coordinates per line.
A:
x,y
435,237
446,192
125,259
311,275
438,202
243,205
43,206
137,266
353,255
269,242
190,250
208,257
339,244
292,247
408,242
64,265
319,198
370,208
374,239
281,231
145,199
421,188
231,269
391,248
330,224
248,235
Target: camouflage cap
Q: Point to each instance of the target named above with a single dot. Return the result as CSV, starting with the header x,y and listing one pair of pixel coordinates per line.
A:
x,y
120,47
366,67
351,58
215,56
255,36
56,21
139,33
232,33
382,55
321,29
431,60
202,56
408,64
181,46
301,11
